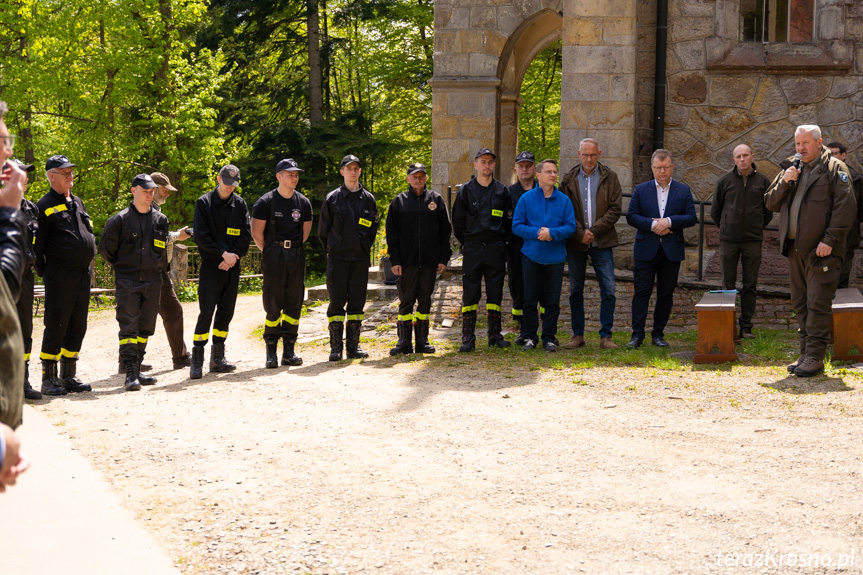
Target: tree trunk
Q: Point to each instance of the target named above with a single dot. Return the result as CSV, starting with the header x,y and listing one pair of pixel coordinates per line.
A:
x,y
316,110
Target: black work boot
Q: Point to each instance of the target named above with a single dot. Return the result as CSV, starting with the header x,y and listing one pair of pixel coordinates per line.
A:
x,y
51,384
272,355
121,366
29,392
218,363
196,369
336,330
421,328
352,340
468,329
404,344
68,369
495,339
288,355
132,381
144,379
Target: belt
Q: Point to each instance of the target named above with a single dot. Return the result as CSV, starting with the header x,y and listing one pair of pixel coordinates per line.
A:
x,y
288,244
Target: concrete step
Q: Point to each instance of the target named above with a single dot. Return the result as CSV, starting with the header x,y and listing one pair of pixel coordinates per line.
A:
x,y
376,291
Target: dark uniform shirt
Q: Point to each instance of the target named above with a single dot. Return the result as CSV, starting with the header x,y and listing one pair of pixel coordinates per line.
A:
x,y
418,230
288,215
516,191
64,237
482,214
135,244
348,225
221,226
31,213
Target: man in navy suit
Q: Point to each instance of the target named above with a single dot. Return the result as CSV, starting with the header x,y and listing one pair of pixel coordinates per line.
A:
x,y
659,209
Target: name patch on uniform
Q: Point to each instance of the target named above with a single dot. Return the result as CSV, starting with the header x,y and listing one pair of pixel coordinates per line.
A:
x,y
497,213
432,206
233,232
365,222
158,243
295,215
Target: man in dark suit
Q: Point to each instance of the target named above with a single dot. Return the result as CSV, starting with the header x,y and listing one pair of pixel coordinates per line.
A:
x,y
659,209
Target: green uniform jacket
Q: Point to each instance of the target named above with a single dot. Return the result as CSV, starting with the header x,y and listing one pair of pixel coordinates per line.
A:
x,y
828,209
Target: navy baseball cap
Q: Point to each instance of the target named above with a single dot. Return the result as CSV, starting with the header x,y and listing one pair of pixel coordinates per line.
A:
x,y
58,162
350,159
145,181
23,166
485,152
230,175
525,157
417,167
288,165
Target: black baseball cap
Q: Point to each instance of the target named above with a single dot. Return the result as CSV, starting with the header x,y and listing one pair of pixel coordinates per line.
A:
x,y
23,166
58,162
525,157
350,159
288,165
417,167
485,152
145,181
230,175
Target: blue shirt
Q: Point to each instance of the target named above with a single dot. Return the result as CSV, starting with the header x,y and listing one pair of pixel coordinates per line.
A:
x,y
535,211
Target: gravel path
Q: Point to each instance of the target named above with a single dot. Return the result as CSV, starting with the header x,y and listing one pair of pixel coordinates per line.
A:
x,y
453,465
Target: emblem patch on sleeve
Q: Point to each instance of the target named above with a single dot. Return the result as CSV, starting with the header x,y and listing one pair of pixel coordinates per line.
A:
x,y
844,177
432,206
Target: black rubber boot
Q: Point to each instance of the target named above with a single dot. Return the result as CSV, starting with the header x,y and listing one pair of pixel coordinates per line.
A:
x,y
352,340
29,392
272,355
336,330
495,339
68,370
288,355
421,327
144,379
218,363
133,383
196,369
468,332
404,344
51,384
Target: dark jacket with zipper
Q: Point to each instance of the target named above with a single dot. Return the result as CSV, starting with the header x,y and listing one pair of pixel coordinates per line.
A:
x,y
738,207
418,230
609,207
221,226
64,238
482,214
135,244
348,225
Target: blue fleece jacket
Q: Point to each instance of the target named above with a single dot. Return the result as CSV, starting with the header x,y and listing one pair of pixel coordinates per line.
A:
x,y
535,211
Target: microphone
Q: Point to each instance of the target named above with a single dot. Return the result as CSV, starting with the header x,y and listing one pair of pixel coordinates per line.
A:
x,y
797,159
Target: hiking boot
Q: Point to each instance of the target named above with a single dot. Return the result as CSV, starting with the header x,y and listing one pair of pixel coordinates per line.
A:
x,y
809,366
144,379
574,342
606,343
132,383
794,365
51,384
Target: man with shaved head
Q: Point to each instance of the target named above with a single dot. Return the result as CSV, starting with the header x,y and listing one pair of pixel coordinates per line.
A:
x,y
739,212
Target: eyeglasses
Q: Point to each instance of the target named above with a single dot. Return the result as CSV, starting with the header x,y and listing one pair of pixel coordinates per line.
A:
x,y
65,174
549,172
8,141
661,168
590,156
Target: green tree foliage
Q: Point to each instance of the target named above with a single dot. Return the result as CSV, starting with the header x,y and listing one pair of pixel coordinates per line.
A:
x,y
539,114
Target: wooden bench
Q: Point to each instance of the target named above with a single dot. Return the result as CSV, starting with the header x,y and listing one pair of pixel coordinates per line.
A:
x,y
716,328
848,325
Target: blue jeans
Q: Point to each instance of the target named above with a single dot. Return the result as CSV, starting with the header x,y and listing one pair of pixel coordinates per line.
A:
x,y
541,280
603,265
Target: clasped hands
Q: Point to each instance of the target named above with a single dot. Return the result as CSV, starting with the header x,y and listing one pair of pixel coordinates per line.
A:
x,y
544,235
228,261
661,226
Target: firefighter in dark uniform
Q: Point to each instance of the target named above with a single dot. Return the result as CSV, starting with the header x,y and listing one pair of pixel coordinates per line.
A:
x,y
223,236
64,247
347,228
482,222
525,172
281,223
418,231
25,300
134,243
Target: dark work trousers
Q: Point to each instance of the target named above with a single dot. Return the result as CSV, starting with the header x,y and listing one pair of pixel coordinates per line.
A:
x,y
545,279
347,283
749,253
811,300
25,311
67,299
415,285
137,308
284,286
663,272
515,275
483,260
217,293
172,317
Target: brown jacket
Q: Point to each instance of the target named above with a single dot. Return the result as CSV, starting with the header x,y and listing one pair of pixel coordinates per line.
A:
x,y
609,206
828,209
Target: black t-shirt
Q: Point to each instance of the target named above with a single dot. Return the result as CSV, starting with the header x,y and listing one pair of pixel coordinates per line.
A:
x,y
289,214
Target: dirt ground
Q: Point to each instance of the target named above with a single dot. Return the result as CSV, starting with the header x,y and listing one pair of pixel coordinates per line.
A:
x,y
452,464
